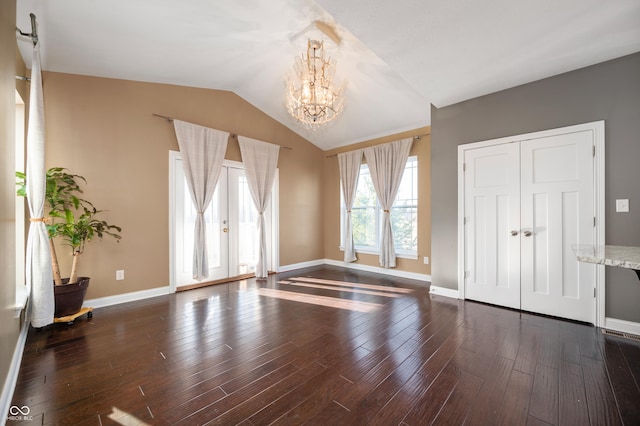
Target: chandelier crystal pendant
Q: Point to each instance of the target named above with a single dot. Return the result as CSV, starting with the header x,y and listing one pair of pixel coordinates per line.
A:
x,y
312,100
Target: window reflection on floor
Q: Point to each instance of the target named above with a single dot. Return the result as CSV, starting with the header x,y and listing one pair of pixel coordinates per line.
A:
x,y
334,301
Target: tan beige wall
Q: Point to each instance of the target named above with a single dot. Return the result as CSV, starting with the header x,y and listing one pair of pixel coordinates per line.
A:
x,y
103,129
9,326
421,148
21,85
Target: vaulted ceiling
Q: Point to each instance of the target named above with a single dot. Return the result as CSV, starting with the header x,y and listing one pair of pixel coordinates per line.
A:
x,y
396,57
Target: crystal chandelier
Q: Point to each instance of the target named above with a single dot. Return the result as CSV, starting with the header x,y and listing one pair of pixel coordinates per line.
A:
x,y
312,100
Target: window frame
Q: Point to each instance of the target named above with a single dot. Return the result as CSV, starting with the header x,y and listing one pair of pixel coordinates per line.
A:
x,y
22,295
375,250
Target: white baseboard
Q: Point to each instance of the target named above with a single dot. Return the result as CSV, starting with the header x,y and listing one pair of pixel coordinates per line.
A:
x,y
101,302
357,266
12,375
622,326
446,292
379,270
287,268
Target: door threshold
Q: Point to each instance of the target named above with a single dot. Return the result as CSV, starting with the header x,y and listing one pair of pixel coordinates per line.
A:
x,y
210,283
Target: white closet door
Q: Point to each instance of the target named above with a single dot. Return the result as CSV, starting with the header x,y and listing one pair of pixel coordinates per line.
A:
x,y
492,212
557,197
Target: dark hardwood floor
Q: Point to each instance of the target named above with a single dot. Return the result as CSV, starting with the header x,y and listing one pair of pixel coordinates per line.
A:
x,y
290,350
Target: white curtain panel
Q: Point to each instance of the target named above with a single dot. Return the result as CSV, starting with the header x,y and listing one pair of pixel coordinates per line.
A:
x,y
38,272
386,164
202,152
349,163
260,161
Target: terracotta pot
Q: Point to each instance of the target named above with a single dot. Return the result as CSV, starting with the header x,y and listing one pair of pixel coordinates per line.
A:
x,y
70,297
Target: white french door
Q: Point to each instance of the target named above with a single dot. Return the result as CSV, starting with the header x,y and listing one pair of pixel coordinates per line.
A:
x,y
244,240
526,203
231,225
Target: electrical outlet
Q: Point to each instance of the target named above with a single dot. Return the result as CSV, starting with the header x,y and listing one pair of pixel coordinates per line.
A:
x,y
120,274
426,260
622,206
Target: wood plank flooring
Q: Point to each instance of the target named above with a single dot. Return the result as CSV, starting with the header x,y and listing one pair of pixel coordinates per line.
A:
x,y
325,346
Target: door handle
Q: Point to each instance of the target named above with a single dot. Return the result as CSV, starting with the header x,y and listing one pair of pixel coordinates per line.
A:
x,y
514,233
225,229
527,233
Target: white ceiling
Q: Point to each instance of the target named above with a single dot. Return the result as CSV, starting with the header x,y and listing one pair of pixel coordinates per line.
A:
x,y
397,57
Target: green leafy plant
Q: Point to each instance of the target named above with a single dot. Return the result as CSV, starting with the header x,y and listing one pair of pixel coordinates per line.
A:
x,y
70,217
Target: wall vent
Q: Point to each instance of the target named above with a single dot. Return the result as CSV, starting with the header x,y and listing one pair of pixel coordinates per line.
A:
x,y
621,334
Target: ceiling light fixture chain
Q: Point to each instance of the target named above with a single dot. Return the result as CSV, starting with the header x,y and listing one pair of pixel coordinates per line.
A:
x,y
312,99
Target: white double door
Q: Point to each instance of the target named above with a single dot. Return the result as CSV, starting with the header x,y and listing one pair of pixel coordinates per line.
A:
x,y
525,204
231,226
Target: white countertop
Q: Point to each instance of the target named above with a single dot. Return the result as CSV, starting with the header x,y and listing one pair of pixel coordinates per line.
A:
x,y
621,256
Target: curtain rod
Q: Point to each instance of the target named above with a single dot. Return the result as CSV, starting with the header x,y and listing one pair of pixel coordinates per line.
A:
x,y
232,134
33,35
415,138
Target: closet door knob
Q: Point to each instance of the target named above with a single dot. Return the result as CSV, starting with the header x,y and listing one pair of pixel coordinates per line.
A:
x,y
527,233
514,233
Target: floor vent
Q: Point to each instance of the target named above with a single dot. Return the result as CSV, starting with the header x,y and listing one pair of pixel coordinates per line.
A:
x,y
621,334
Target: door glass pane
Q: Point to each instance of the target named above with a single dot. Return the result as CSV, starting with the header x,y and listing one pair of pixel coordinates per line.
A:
x,y
248,243
364,214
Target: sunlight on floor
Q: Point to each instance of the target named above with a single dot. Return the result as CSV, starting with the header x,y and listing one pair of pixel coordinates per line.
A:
x,y
332,302
339,288
350,284
124,418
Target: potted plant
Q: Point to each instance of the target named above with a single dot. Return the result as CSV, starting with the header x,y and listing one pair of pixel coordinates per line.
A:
x,y
73,219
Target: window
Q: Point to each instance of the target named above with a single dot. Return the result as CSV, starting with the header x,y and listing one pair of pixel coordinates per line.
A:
x,y
21,289
366,213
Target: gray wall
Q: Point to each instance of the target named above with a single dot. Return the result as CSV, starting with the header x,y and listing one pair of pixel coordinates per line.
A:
x,y
608,91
